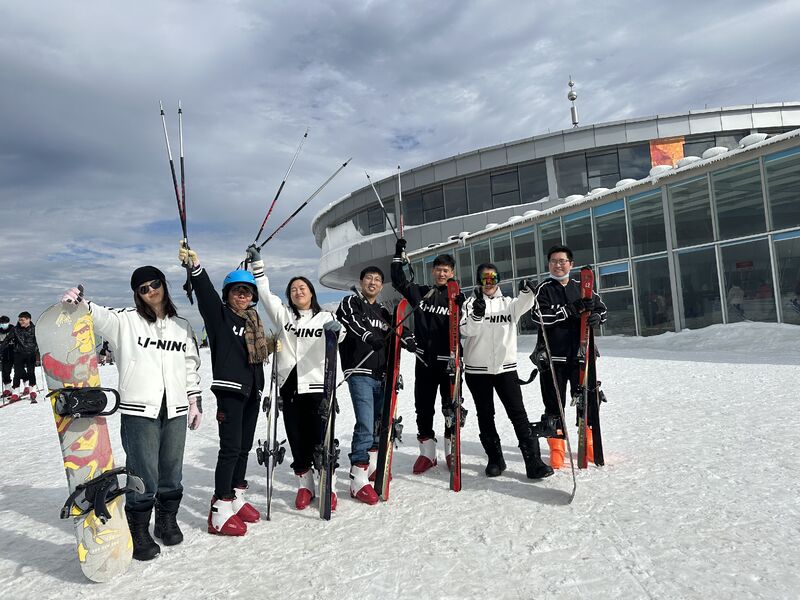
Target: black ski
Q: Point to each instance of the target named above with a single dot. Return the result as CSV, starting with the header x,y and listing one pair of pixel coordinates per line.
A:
x,y
328,455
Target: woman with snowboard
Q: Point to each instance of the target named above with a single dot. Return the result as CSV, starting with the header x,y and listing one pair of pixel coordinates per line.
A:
x,y
301,324
159,387
238,351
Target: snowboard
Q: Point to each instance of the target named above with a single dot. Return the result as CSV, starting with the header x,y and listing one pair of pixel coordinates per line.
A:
x,y
103,542
454,414
328,455
390,426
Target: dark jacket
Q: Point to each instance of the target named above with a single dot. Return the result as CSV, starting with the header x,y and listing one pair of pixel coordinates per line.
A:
x,y
6,350
22,340
431,320
563,329
230,365
364,321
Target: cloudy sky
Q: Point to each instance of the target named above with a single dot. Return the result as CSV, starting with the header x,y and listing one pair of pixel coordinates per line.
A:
x,y
85,188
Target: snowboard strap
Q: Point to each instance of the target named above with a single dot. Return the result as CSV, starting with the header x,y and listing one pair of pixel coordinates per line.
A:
x,y
85,402
96,493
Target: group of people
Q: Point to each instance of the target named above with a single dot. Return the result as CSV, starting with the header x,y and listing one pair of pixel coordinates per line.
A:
x,y
160,384
18,350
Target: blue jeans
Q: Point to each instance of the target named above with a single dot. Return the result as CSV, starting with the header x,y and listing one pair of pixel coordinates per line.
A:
x,y
367,395
154,452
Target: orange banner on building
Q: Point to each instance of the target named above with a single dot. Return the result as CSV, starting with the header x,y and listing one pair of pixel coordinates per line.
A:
x,y
667,151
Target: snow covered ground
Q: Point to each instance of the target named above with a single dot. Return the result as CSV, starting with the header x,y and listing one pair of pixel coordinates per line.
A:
x,y
699,498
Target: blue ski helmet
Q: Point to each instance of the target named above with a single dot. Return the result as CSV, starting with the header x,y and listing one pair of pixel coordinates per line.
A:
x,y
239,276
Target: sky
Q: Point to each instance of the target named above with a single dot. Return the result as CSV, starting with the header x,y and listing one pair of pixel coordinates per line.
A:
x,y
85,187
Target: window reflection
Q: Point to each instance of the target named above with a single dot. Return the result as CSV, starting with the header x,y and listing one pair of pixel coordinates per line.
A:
x,y
699,288
783,187
787,253
740,205
654,295
691,209
748,282
571,175
533,182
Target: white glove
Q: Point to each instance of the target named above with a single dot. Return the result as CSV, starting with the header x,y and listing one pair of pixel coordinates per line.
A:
x,y
332,325
188,257
72,296
195,415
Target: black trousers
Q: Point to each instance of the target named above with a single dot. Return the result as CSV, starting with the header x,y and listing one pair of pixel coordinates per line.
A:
x,y
508,390
427,381
565,372
7,363
236,418
305,428
24,369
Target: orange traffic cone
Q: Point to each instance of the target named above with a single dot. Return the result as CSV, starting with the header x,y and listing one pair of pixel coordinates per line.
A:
x,y
556,452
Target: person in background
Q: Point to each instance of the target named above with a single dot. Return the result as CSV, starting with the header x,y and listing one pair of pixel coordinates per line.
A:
x,y
6,356
22,340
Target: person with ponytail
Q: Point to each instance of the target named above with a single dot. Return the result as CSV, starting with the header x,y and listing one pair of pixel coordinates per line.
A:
x,y
238,351
301,323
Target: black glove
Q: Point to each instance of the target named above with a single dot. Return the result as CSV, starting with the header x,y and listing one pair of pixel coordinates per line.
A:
x,y
594,319
525,285
376,341
460,298
253,255
479,306
576,307
409,343
400,247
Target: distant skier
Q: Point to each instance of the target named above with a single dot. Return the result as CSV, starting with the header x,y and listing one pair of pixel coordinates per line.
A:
x,y
489,335
363,357
432,333
160,396
6,356
106,354
301,324
22,341
238,351
559,302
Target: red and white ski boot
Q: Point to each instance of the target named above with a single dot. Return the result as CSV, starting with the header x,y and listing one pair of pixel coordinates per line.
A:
x,y
243,509
305,489
360,487
427,455
222,520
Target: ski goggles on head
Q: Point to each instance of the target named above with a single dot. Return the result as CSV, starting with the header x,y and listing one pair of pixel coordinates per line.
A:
x,y
242,290
154,285
490,278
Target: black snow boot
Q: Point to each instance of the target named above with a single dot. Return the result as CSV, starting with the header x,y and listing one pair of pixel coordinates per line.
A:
x,y
532,455
144,546
166,528
494,451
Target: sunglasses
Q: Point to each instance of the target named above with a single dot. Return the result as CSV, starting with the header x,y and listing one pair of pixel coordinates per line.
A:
x,y
490,279
242,290
154,285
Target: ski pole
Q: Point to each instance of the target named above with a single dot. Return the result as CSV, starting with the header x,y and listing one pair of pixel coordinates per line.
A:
x,y
304,204
400,224
280,187
187,286
383,208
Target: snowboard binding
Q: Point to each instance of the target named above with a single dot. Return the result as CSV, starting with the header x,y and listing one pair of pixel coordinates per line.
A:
x,y
95,494
86,402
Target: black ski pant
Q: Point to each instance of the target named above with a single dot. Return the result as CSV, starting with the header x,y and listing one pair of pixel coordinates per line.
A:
x,y
509,391
427,381
24,369
237,416
565,372
7,363
305,428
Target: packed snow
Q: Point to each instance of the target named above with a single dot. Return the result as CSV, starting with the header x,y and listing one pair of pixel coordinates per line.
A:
x,y
698,498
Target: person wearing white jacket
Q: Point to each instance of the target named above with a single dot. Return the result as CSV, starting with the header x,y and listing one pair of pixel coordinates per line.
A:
x,y
301,324
159,387
489,337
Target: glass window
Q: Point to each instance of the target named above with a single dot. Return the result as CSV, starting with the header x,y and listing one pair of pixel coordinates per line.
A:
x,y
550,233
787,253
455,199
501,256
433,205
740,205
377,222
634,161
647,223
728,141
783,186
610,231
505,189
524,253
655,297
578,234
479,193
697,145
480,253
361,221
464,267
603,170
621,319
612,276
691,209
412,209
427,270
699,288
571,175
533,182
748,282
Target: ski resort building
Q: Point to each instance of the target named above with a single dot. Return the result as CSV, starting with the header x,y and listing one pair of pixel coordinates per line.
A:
x,y
690,219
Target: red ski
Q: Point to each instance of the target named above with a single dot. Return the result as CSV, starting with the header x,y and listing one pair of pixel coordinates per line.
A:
x,y
582,393
453,420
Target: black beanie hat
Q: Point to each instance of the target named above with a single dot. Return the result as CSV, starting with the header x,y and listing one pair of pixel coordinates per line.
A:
x,y
25,314
145,275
